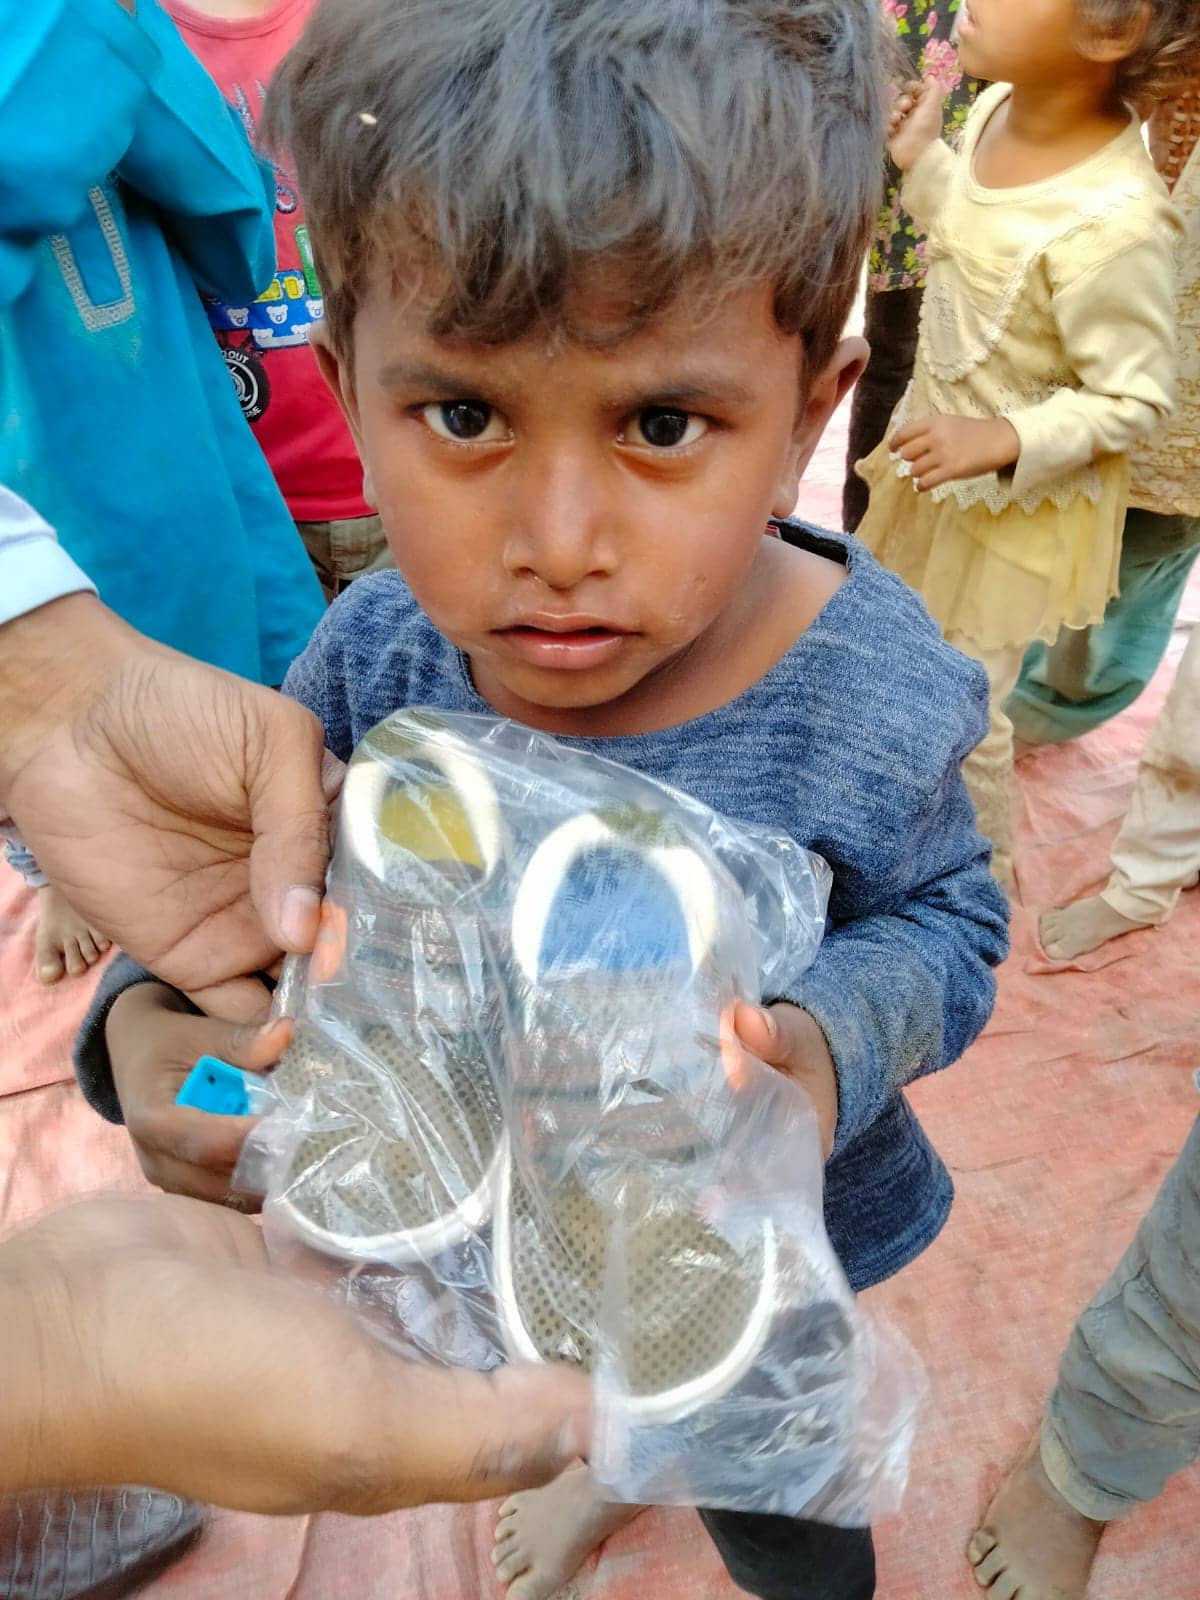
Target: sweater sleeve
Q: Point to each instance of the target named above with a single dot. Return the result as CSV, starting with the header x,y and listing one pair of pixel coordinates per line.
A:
x,y
92,1065
926,185
1117,320
902,990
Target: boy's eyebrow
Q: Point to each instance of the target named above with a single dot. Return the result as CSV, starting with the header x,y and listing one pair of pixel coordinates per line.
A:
x,y
701,389
396,375
694,390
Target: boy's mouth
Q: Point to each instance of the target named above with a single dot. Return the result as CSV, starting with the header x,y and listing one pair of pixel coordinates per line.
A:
x,y
570,643
965,23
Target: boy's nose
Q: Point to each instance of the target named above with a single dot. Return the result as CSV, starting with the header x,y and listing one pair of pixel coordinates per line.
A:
x,y
563,529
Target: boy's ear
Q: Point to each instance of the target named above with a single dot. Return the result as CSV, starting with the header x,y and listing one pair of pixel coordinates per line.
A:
x,y
826,392
337,375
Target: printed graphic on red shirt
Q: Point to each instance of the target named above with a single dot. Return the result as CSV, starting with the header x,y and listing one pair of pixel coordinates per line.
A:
x,y
265,344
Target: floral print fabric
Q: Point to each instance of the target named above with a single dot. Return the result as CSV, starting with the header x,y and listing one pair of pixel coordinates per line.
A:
x,y
924,28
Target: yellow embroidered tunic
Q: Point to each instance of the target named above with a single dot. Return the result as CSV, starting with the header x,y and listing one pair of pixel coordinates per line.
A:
x,y
1051,304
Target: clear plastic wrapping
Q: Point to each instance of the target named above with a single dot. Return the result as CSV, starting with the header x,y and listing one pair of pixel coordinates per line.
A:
x,y
516,1119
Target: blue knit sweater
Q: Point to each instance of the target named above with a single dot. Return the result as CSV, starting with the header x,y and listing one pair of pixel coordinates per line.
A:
x,y
853,744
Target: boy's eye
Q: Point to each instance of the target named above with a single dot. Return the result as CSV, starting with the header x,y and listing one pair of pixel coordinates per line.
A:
x,y
465,420
667,429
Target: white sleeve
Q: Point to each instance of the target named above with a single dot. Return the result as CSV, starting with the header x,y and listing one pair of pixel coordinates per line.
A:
x,y
34,568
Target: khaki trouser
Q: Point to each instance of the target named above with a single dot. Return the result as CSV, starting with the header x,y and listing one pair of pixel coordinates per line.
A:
x,y
344,550
1157,853
1125,1413
988,770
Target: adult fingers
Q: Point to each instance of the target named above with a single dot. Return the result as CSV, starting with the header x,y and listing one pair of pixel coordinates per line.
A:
x,y
468,1436
243,1000
289,818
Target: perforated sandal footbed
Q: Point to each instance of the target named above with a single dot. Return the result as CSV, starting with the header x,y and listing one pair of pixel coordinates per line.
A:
x,y
614,926
402,1159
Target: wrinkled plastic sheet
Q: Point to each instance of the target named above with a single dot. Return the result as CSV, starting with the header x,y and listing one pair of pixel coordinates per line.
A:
x,y
515,1121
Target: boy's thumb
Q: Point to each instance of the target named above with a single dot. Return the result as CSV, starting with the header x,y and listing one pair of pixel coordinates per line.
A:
x,y
255,1048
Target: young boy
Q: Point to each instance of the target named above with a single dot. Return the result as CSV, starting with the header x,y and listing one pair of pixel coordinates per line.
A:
x,y
586,270
265,343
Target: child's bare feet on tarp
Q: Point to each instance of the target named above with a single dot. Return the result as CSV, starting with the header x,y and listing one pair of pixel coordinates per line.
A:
x,y
1032,1544
544,1536
1076,930
66,944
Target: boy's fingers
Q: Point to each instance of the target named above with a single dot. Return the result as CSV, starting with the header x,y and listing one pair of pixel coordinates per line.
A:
x,y
758,1029
254,1049
178,1178
195,1138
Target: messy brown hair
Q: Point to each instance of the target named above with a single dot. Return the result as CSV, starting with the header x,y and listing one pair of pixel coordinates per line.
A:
x,y
513,145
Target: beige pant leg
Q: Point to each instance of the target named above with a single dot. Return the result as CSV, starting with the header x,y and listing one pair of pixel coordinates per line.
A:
x,y
988,770
1157,853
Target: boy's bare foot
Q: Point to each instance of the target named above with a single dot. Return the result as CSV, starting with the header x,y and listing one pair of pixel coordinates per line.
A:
x,y
1071,931
544,1536
65,943
1033,1545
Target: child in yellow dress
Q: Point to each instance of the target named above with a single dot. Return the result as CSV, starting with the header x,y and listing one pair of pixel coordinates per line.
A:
x,y
1047,343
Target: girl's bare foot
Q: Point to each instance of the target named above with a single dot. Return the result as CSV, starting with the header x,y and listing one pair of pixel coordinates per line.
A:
x,y
1076,930
544,1536
1033,1545
65,944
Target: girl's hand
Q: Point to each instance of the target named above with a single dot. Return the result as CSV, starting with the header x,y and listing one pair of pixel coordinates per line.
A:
x,y
946,449
790,1040
916,121
153,1045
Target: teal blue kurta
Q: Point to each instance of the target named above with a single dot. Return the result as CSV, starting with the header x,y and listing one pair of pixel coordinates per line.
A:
x,y
128,187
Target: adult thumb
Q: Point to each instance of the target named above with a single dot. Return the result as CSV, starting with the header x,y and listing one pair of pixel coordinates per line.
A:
x,y
289,822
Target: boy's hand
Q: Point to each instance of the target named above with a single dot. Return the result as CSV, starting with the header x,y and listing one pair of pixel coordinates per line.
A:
x,y
153,1045
945,449
790,1040
916,121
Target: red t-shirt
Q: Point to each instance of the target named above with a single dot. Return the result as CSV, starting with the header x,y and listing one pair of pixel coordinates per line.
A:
x,y
295,418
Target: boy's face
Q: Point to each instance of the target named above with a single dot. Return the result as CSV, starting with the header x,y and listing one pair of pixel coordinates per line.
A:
x,y
579,517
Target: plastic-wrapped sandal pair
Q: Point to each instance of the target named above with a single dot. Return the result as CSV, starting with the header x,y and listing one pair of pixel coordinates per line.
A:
x,y
517,1046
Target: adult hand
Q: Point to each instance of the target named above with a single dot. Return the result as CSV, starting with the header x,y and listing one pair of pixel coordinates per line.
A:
x,y
790,1040
180,809
946,449
149,1342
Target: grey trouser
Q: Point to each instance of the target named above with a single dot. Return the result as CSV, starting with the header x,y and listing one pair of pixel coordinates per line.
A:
x,y
343,550
1125,1414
